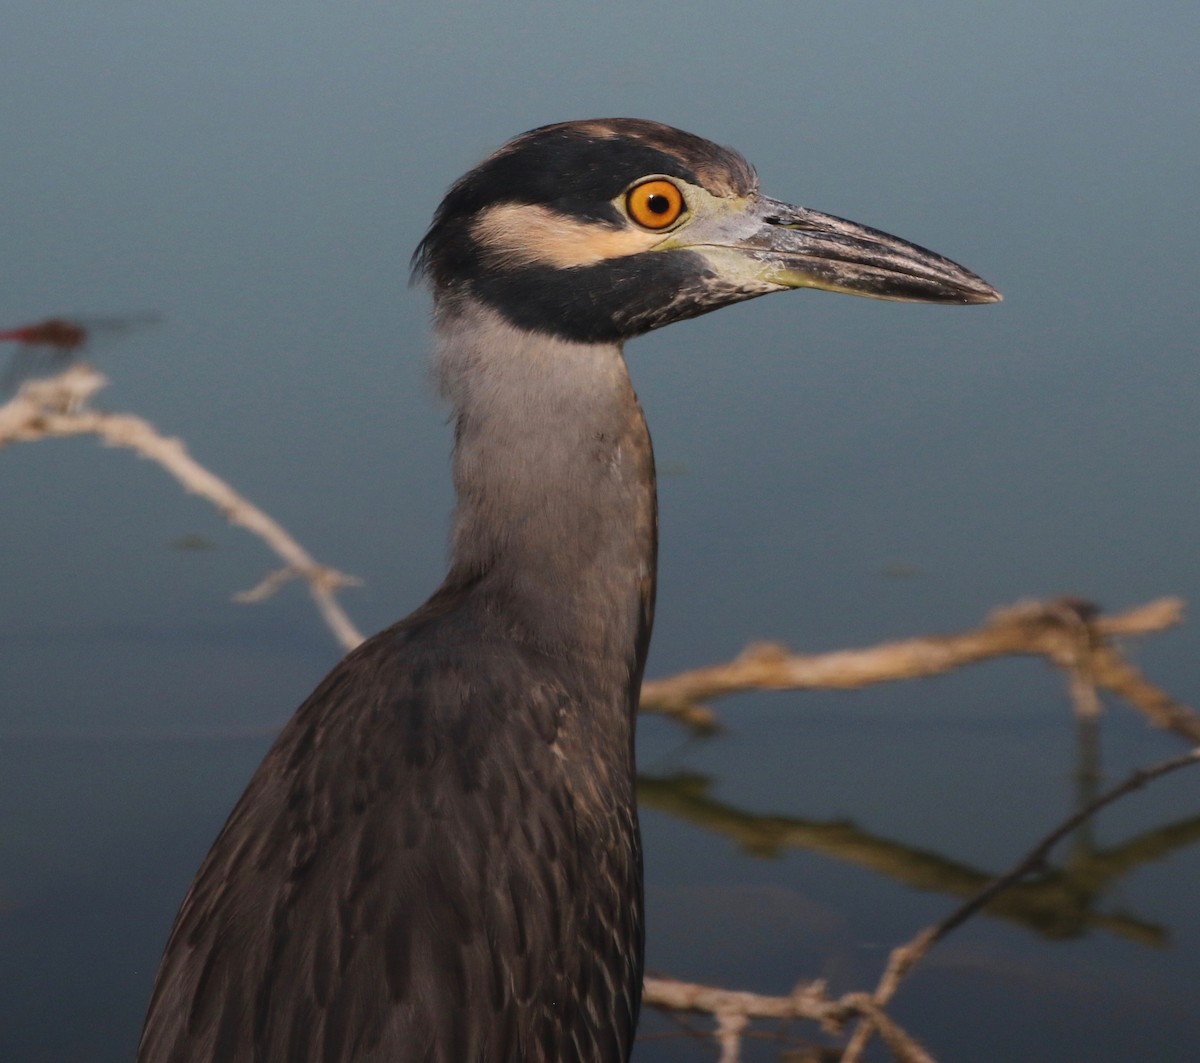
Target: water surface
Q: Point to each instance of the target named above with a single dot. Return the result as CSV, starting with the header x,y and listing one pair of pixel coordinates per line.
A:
x,y
836,471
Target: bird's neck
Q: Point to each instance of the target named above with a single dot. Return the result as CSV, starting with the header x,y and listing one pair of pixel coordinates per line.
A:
x,y
556,523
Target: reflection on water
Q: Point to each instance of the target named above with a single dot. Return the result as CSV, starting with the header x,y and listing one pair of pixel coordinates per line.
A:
x,y
1059,901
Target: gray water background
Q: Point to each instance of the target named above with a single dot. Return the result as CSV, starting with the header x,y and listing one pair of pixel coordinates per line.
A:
x,y
834,471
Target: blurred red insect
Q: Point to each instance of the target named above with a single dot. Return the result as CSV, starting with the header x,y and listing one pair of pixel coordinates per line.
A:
x,y
50,345
54,332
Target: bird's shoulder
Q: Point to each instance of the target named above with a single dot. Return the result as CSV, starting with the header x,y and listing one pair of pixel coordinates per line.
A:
x,y
420,788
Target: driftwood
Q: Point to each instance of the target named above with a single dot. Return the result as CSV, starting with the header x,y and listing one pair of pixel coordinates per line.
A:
x,y
732,1012
59,406
1068,633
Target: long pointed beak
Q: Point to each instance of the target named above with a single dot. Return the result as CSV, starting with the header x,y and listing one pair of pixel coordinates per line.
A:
x,y
783,246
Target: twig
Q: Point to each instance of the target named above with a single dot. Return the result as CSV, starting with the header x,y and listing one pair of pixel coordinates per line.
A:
x,y
902,1045
807,1001
733,1011
58,406
728,1035
905,957
1066,632
1036,857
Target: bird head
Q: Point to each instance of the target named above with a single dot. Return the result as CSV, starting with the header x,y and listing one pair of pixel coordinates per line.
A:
x,y
601,230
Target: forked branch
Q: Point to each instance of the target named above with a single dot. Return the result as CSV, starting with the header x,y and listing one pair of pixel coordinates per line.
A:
x,y
59,406
1068,633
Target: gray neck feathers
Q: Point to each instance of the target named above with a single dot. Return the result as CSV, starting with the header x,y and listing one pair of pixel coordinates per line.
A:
x,y
556,518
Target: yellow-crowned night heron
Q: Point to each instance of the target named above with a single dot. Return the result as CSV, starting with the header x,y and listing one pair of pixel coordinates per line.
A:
x,y
439,858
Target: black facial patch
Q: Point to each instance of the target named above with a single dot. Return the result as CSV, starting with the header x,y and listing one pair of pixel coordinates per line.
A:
x,y
575,168
610,301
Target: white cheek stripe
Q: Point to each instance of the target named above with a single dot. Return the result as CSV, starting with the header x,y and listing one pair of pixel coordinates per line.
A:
x,y
524,234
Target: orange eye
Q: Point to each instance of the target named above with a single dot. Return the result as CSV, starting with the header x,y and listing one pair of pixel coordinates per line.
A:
x,y
654,204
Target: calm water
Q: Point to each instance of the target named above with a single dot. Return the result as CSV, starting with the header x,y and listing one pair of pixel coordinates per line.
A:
x,y
835,472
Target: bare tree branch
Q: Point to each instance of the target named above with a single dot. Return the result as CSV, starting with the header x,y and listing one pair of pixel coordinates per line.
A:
x,y
807,1001
1036,857
58,406
1068,633
905,957
732,1010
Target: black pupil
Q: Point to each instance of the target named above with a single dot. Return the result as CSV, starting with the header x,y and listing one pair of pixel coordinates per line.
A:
x,y
658,203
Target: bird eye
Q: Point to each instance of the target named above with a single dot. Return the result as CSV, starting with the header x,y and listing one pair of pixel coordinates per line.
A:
x,y
654,204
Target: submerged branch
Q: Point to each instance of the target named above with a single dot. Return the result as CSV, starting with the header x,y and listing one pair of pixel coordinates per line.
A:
x,y
905,957
732,1010
1032,861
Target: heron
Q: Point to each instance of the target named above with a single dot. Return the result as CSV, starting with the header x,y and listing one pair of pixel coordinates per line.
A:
x,y
438,859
